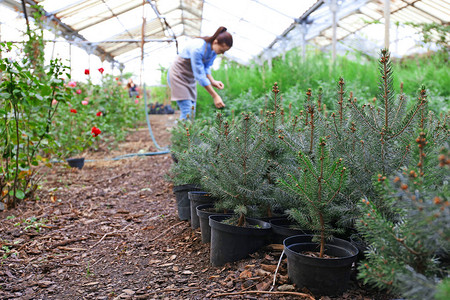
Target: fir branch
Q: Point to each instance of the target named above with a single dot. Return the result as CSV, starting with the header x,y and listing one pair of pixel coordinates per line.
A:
x,y
341,93
410,116
400,107
341,180
362,116
403,160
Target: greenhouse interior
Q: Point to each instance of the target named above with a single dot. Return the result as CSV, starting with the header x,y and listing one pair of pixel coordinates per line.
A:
x,y
239,149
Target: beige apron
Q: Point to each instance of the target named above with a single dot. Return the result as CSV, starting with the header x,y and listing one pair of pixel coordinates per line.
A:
x,y
182,81
183,85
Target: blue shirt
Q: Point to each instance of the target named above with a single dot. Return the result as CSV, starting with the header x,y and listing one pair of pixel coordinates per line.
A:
x,y
201,59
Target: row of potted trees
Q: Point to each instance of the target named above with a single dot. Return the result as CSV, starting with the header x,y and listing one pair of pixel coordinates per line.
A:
x,y
314,167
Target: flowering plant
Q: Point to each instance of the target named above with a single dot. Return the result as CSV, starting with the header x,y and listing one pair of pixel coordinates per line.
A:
x,y
96,112
80,119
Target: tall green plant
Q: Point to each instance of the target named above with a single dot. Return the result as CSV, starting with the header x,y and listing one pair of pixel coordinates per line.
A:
x,y
405,254
375,138
35,45
27,114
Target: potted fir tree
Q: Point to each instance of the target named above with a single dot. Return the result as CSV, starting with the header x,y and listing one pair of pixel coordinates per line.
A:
x,y
183,173
318,262
234,174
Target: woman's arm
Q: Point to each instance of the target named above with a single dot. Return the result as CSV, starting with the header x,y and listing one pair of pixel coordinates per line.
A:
x,y
217,99
215,83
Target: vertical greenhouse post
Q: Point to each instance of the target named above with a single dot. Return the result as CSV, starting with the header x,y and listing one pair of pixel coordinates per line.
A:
x,y
387,18
334,8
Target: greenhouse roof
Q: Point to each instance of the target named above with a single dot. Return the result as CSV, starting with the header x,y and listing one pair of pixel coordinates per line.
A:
x,y
115,29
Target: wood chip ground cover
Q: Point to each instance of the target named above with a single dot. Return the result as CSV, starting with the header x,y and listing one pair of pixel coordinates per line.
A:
x,y
111,231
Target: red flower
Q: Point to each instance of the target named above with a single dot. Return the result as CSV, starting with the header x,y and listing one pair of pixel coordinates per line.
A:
x,y
73,110
95,131
117,78
101,70
99,114
86,71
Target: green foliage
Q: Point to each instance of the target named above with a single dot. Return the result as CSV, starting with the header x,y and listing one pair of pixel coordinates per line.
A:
x,y
27,114
35,45
443,290
32,223
406,250
246,86
431,71
375,138
37,122
237,165
434,33
189,151
303,139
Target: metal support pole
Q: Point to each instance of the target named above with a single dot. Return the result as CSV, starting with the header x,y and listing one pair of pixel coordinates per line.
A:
x,y
0,41
70,60
304,30
333,8
387,20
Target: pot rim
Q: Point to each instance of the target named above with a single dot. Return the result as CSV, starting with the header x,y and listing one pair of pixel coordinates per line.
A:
x,y
215,221
341,244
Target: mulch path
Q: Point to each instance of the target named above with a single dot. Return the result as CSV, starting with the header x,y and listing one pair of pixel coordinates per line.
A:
x,y
111,231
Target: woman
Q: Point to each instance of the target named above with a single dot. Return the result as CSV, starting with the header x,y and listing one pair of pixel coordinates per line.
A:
x,y
132,89
194,63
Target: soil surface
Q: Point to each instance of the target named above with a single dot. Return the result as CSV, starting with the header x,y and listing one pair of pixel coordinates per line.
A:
x,y
111,231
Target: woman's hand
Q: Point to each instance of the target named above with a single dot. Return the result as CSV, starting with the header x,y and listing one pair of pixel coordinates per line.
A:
x,y
218,101
217,84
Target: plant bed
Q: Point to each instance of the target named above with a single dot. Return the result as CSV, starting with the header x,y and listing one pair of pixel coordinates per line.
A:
x,y
104,271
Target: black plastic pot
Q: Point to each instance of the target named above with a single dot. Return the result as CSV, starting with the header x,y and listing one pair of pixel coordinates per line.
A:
x,y
198,198
322,276
203,213
231,243
283,228
183,203
76,162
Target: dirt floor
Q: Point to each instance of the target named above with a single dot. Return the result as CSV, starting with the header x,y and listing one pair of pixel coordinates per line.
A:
x,y
111,231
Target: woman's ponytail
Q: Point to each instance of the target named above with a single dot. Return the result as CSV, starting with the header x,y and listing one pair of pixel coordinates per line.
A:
x,y
221,35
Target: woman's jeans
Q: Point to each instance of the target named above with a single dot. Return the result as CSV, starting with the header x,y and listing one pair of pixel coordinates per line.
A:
x,y
187,108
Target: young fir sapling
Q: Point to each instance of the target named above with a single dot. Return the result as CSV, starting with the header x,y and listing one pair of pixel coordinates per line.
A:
x,y
236,172
273,120
314,186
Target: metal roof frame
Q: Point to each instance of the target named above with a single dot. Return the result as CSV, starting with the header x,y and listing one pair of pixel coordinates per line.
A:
x,y
175,18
